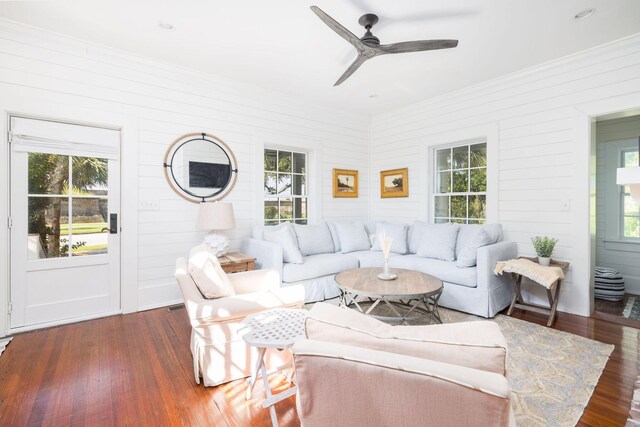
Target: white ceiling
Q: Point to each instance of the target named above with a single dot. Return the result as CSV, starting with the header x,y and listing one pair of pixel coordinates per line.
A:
x,y
283,46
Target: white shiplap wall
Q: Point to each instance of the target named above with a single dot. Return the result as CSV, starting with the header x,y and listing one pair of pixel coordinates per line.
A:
x,y
161,102
534,152
624,257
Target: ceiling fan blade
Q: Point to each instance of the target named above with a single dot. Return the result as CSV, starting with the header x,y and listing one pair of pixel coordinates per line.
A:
x,y
417,46
338,28
352,69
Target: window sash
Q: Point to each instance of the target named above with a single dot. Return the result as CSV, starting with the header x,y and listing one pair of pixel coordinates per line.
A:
x,y
278,200
450,170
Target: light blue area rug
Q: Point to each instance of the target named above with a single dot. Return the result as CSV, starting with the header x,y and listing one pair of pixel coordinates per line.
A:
x,y
552,373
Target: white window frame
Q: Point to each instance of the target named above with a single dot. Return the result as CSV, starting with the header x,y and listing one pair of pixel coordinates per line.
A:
x,y
292,173
622,195
614,199
434,172
285,141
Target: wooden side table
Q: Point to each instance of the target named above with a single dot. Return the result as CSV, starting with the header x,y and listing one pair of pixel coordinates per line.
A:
x,y
553,294
233,262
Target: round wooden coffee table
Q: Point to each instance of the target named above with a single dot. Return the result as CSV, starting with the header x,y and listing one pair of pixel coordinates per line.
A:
x,y
412,295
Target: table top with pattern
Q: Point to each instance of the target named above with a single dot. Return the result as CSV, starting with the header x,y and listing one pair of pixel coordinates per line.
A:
x,y
277,328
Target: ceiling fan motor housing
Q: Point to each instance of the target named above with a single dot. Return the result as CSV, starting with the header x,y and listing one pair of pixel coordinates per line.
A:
x,y
368,21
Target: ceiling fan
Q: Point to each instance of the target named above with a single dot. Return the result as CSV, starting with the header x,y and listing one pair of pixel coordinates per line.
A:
x,y
369,45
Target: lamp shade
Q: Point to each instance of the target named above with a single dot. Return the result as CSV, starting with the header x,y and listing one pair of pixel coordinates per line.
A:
x,y
215,216
630,177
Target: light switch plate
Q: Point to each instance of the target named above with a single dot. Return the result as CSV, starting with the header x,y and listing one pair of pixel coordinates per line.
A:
x,y
149,204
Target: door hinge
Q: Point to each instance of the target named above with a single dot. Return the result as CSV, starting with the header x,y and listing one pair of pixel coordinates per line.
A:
x,y
9,222
10,308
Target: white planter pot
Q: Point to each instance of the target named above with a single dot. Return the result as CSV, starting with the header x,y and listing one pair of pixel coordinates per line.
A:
x,y
544,261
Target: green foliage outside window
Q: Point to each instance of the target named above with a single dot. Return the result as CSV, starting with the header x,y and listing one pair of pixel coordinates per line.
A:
x,y
48,174
461,184
285,194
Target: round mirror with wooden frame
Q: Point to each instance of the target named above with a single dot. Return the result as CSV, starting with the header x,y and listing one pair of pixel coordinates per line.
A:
x,y
200,167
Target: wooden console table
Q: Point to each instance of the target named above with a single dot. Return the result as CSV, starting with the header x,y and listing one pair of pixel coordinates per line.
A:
x,y
234,262
553,294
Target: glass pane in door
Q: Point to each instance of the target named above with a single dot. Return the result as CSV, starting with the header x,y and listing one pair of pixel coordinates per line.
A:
x,y
56,185
48,227
48,173
90,229
90,176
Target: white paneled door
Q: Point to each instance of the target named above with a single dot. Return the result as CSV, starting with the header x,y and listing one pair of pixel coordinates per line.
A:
x,y
65,201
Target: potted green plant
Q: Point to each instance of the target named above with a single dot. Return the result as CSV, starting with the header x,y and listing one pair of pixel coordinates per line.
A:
x,y
544,248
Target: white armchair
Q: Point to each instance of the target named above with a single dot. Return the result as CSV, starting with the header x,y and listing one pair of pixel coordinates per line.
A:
x,y
219,353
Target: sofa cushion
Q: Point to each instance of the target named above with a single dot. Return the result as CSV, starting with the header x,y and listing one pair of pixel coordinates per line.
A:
x,y
316,266
438,241
284,236
447,271
414,235
468,256
207,274
314,239
352,236
468,232
478,345
334,236
368,259
397,233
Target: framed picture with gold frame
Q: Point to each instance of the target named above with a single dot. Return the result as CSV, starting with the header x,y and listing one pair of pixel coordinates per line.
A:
x,y
345,183
394,183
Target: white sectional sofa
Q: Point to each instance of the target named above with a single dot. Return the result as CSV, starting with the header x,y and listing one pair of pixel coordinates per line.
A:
x,y
462,256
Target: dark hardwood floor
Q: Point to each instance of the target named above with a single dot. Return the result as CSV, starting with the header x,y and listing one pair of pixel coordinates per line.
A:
x,y
136,369
612,311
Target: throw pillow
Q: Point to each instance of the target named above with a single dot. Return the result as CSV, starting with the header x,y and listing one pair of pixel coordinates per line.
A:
x,y
468,255
284,236
353,237
494,231
397,233
314,239
417,234
207,273
334,236
468,233
439,242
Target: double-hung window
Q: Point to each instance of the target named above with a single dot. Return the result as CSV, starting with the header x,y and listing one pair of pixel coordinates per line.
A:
x,y
460,190
630,218
285,186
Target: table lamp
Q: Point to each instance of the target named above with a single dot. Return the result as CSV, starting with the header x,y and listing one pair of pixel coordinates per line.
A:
x,y
216,216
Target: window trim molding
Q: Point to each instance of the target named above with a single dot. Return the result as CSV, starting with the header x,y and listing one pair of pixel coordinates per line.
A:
x,y
452,193
305,196
614,210
266,140
488,133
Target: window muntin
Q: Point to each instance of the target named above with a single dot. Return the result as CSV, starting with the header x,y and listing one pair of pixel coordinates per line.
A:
x,y
285,186
460,190
630,210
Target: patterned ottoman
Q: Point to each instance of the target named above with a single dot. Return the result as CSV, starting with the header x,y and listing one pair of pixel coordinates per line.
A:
x,y
609,284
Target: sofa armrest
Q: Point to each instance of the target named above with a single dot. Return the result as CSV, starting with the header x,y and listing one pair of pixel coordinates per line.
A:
x,y
478,345
255,280
267,254
488,257
329,375
237,307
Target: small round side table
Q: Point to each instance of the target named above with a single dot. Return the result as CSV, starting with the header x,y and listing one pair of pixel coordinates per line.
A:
x,y
278,328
